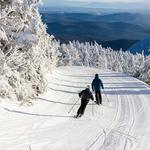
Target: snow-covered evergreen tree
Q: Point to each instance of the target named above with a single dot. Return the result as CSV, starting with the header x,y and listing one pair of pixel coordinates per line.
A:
x,y
26,50
145,71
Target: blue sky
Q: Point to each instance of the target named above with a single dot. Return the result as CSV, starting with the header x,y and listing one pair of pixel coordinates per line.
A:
x,y
126,4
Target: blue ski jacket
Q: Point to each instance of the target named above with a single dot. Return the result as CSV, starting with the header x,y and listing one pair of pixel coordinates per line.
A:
x,y
97,84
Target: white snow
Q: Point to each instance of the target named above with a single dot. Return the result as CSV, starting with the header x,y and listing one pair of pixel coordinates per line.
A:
x,y
25,37
122,123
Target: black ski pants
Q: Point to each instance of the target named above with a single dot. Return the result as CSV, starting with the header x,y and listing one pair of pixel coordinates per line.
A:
x,y
98,97
81,109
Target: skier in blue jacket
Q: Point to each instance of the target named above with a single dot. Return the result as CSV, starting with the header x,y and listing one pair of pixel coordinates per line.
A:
x,y
97,85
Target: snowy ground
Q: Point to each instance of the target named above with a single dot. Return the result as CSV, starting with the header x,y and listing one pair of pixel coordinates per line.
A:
x,y
122,123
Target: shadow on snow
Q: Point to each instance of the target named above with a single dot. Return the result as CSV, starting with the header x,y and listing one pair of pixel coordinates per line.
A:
x,y
35,114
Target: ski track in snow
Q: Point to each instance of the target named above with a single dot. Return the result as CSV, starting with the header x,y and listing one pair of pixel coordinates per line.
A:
x,y
121,123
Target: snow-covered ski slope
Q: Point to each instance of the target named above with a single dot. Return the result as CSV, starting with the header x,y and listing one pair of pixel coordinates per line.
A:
x,y
122,123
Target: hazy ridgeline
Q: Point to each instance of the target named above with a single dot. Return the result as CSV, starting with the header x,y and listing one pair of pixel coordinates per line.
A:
x,y
115,30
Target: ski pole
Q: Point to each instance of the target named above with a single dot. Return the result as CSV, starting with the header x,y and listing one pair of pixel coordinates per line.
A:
x,y
92,108
73,106
106,97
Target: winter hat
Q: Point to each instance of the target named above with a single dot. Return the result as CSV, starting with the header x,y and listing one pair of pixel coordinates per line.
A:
x,y
96,76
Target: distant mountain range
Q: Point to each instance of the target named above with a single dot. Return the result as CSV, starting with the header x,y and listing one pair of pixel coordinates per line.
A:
x,y
140,46
92,10
118,30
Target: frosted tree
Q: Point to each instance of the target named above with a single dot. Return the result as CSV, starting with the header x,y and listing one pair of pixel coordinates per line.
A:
x,y
65,55
26,50
145,71
75,58
95,56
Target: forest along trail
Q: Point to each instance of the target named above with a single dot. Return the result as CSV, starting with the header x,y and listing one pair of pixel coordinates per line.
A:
x,y
121,123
